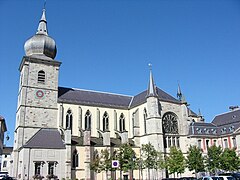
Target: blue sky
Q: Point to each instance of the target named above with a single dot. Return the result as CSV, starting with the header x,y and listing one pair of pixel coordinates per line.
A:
x,y
106,45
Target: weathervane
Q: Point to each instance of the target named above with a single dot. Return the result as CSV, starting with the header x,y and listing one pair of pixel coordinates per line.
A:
x,y
150,66
44,6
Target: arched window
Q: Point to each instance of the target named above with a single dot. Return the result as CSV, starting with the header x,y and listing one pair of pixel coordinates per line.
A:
x,y
88,120
105,122
122,123
69,119
144,118
170,123
41,76
75,159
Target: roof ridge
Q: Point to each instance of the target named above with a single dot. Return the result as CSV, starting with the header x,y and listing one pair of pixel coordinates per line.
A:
x,y
129,106
102,92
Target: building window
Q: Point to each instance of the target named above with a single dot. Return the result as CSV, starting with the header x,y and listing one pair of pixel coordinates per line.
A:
x,y
88,120
37,168
169,142
51,168
122,123
234,142
75,159
199,144
207,143
215,142
170,123
41,76
225,143
164,142
145,118
178,143
4,164
133,119
105,122
69,119
173,141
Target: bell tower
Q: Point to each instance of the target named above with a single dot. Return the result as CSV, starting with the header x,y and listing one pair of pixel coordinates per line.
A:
x,y
38,88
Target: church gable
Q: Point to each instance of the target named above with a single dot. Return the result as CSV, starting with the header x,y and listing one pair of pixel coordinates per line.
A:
x,y
162,96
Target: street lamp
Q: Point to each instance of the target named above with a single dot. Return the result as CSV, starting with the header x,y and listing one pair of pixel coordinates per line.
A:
x,y
133,162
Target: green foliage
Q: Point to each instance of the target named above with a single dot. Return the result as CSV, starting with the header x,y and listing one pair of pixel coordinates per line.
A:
x,y
125,156
229,161
160,163
175,161
213,158
106,160
95,163
149,155
195,160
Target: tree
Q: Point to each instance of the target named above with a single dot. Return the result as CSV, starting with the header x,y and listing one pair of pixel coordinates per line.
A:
x,y
229,161
125,157
195,160
149,155
101,161
213,158
160,162
175,161
95,163
106,161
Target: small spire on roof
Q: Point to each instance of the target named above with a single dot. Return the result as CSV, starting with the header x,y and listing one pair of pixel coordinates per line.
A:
x,y
42,27
199,112
151,85
179,93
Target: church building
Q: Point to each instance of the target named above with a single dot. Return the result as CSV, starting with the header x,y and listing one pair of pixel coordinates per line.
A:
x,y
58,128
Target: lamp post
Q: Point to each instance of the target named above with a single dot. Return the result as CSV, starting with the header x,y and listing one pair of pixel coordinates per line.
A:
x,y
139,168
133,163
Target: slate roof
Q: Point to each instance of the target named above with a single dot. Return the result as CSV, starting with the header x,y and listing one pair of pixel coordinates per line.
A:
x,y
163,96
221,125
191,113
227,118
93,98
86,97
46,138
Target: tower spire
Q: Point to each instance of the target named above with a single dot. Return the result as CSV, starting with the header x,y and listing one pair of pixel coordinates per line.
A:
x,y
151,85
42,27
179,93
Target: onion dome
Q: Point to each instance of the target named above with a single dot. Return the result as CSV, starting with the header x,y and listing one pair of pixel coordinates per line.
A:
x,y
41,45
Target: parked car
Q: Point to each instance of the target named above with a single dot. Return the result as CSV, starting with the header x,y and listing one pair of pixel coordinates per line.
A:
x,y
187,178
2,175
7,178
226,178
209,178
236,175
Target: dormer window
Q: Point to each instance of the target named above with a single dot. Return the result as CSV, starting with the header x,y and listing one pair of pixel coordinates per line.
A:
x,y
41,76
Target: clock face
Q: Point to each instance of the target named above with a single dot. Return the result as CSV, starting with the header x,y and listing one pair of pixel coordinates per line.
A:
x,y
39,94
